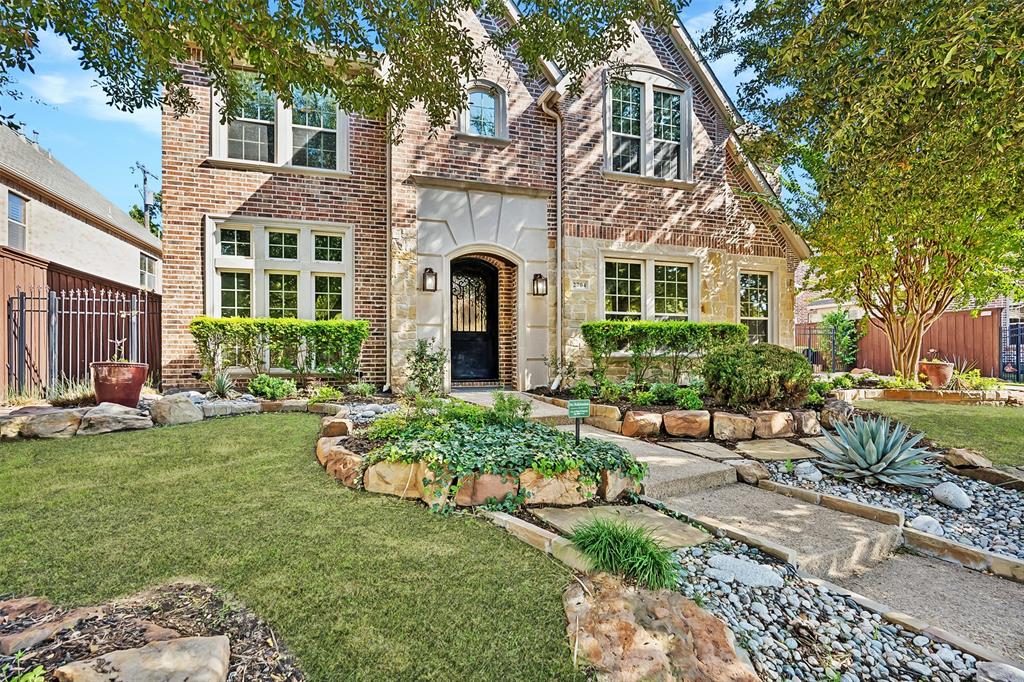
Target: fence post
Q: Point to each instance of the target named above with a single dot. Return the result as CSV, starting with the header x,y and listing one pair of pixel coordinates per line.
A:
x,y
832,346
133,334
51,339
21,342
1020,328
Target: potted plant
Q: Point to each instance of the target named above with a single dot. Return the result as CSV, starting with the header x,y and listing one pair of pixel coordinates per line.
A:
x,y
937,371
119,381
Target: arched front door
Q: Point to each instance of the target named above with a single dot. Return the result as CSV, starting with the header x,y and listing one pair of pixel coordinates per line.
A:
x,y
474,320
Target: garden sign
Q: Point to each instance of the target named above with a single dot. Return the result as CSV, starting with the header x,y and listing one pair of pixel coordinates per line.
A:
x,y
578,410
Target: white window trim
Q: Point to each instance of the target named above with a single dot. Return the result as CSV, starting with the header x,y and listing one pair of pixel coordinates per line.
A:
x,y
282,145
648,261
8,221
773,298
651,79
298,244
500,112
145,257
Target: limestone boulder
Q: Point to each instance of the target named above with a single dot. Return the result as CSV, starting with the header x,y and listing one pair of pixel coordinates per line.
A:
x,y
10,609
612,485
395,478
335,426
62,424
175,409
196,659
108,417
638,424
730,426
10,426
952,495
772,424
999,672
25,639
560,489
229,408
835,412
966,459
476,490
324,447
688,423
749,471
630,634
344,465
806,423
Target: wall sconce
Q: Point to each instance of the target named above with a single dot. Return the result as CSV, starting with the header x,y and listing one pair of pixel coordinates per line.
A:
x,y
429,279
540,285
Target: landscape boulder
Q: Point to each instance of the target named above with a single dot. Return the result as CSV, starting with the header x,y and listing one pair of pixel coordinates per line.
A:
x,y
108,417
229,408
344,465
324,446
335,426
638,424
927,524
835,412
730,426
175,409
750,471
476,490
613,484
772,424
989,671
806,471
562,489
966,459
688,423
952,495
60,424
196,659
806,422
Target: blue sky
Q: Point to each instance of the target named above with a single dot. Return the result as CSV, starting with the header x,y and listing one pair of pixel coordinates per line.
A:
x,y
101,144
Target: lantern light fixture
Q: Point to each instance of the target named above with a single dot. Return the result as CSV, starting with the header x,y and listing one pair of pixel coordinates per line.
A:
x,y
540,285
429,279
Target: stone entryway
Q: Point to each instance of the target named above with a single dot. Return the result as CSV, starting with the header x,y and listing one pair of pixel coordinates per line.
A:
x,y
484,325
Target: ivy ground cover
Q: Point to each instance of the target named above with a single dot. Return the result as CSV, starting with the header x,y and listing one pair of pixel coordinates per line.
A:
x,y
358,586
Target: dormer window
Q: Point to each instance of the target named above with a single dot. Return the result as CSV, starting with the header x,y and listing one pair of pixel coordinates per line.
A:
x,y
648,132
485,114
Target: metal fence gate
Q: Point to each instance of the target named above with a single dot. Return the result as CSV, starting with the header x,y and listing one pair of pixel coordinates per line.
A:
x,y
1012,352
818,345
53,336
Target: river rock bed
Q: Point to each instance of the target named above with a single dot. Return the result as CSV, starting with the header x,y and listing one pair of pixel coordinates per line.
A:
x,y
994,521
795,630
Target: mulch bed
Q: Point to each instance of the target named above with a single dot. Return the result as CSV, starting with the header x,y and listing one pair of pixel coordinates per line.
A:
x,y
191,610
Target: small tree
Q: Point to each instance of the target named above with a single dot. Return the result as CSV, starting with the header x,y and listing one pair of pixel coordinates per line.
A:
x,y
840,335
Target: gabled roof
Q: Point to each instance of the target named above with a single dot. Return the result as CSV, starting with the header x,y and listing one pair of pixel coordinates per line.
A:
x,y
27,161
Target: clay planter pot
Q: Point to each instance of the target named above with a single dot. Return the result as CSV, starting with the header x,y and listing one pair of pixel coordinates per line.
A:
x,y
119,382
938,373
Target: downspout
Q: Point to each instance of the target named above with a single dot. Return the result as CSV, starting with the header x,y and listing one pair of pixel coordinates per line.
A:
x,y
558,219
387,256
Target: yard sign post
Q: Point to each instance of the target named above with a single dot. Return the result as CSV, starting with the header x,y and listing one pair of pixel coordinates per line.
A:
x,y
578,410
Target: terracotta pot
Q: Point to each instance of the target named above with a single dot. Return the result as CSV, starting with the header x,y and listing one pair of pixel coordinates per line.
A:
x,y
119,382
938,373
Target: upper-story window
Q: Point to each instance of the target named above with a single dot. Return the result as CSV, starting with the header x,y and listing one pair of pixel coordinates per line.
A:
x,y
147,272
648,132
310,135
485,114
17,221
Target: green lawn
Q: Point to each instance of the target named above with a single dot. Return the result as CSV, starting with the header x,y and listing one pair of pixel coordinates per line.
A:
x,y
996,432
359,586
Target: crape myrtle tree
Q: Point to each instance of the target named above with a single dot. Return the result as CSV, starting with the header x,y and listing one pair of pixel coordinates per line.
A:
x,y
375,57
901,125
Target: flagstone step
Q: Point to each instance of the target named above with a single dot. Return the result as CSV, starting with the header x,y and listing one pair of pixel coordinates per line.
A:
x,y
670,472
671,532
979,606
774,450
822,542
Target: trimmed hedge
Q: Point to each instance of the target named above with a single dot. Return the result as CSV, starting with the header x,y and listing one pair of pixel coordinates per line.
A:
x,y
756,376
677,343
303,347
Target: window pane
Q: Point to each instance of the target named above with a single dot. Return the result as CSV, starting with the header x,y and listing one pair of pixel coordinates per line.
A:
x,y
327,297
757,331
623,291
235,242
666,159
16,221
327,247
259,105
283,245
626,154
314,110
282,295
671,291
482,113
235,294
626,108
251,141
15,207
314,148
666,116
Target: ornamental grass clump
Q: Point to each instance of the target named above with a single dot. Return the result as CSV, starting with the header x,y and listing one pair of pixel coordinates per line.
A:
x,y
626,549
873,451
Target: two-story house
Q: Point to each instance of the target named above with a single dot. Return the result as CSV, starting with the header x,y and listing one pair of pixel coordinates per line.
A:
x,y
531,213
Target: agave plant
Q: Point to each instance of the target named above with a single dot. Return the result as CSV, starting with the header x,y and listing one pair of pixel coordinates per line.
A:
x,y
222,384
872,450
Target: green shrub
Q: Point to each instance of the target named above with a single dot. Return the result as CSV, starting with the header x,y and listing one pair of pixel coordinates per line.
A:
x,y
688,399
843,381
902,383
426,367
272,388
326,394
642,398
361,389
303,347
756,376
840,336
664,393
581,391
968,378
625,549
510,409
677,343
609,391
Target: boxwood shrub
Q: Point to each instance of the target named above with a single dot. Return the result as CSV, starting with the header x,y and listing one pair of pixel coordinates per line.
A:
x,y
758,376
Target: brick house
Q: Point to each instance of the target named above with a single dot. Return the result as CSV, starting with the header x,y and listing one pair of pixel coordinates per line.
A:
x,y
531,213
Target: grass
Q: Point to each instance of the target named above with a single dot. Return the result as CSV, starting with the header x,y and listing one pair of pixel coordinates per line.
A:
x,y
359,586
630,550
996,432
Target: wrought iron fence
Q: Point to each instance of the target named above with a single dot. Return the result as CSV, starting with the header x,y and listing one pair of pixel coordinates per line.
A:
x,y
1012,352
54,336
820,348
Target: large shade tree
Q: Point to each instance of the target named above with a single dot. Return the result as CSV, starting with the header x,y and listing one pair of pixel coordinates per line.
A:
x,y
904,120
376,57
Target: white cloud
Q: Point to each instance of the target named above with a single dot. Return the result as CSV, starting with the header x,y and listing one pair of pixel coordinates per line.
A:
x,y
699,23
78,93
55,49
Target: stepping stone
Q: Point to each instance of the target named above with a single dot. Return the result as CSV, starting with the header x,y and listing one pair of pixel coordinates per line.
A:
x,y
195,659
25,639
774,450
701,449
669,531
816,440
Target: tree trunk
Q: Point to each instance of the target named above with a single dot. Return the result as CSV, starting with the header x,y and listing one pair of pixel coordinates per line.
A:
x,y
906,334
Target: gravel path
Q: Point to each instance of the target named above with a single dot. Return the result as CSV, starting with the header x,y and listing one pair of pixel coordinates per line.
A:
x,y
803,632
995,520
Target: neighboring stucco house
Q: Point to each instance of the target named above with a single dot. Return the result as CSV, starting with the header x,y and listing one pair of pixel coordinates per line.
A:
x,y
531,213
56,216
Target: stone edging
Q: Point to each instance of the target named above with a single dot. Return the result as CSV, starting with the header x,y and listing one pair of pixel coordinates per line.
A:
x,y
996,397
925,543
562,549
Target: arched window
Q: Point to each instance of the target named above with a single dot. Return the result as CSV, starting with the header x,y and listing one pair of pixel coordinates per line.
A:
x,y
485,111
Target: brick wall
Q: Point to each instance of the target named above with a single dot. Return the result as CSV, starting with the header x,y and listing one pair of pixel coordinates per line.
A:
x,y
193,189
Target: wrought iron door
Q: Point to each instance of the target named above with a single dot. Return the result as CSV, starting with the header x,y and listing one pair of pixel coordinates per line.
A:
x,y
474,321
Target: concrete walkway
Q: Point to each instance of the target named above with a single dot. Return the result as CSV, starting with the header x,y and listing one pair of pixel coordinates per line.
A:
x,y
541,411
